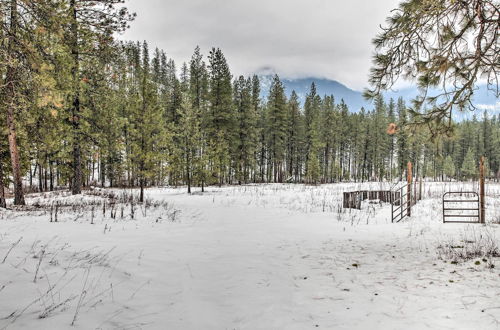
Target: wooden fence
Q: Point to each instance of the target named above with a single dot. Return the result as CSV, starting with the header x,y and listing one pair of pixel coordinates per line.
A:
x,y
353,199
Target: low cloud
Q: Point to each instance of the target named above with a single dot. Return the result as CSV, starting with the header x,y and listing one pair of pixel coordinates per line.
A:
x,y
295,38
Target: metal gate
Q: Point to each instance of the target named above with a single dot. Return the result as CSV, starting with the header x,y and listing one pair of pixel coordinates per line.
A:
x,y
461,205
401,202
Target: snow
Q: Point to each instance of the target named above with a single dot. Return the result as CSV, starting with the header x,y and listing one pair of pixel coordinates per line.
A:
x,y
250,257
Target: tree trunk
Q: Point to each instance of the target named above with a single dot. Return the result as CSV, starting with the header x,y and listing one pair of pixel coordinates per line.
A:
x,y
45,178
31,177
40,178
76,187
10,102
3,204
102,167
51,176
141,196
188,171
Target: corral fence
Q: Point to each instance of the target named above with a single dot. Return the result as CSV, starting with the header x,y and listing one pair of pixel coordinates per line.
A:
x,y
353,199
402,200
467,205
461,207
404,197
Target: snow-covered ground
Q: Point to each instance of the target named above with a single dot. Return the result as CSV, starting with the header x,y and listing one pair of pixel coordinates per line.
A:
x,y
249,257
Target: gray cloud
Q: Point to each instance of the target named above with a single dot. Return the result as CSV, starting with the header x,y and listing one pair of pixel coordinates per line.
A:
x,y
296,38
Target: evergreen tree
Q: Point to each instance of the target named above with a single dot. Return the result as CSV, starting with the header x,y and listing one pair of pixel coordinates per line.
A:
x,y
392,138
402,137
277,129
449,167
450,57
190,139
88,21
313,142
469,169
329,128
198,91
148,137
17,58
198,83
247,131
295,138
220,121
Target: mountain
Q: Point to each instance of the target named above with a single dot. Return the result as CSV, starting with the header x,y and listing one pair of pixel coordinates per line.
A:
x,y
354,99
483,98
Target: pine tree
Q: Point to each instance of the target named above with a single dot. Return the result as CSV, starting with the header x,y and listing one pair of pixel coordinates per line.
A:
x,y
365,144
392,138
102,99
15,43
262,123
189,133
198,92
184,78
344,142
198,83
148,137
402,137
313,170
295,138
247,132
380,139
451,58
469,169
328,134
449,167
87,21
220,118
313,142
173,92
277,129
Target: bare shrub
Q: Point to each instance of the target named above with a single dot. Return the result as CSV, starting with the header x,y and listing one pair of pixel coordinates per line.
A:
x,y
474,243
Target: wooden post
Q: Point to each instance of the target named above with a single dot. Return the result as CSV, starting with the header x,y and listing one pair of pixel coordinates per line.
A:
x,y
420,189
481,191
408,192
415,195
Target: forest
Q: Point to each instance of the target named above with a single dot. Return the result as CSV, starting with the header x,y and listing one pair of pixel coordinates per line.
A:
x,y
83,108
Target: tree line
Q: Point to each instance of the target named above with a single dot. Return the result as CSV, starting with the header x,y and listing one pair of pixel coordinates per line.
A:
x,y
83,109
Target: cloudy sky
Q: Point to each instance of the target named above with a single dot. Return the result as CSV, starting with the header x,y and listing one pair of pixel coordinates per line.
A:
x,y
295,38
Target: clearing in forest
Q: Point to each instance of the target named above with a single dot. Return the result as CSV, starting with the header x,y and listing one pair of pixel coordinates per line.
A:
x,y
251,257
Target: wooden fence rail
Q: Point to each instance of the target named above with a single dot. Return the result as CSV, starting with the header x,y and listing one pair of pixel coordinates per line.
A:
x,y
353,199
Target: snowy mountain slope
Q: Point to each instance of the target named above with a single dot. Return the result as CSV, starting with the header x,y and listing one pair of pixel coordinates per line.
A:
x,y
354,99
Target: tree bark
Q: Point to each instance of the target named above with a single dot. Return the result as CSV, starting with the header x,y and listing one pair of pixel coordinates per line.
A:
x,y
40,177
76,187
188,171
141,195
51,176
10,102
3,204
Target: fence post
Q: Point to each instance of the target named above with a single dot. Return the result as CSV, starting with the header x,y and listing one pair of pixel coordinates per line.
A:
x,y
420,189
391,198
481,191
408,196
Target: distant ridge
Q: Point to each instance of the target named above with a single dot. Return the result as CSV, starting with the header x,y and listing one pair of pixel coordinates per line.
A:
x,y
483,99
353,99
